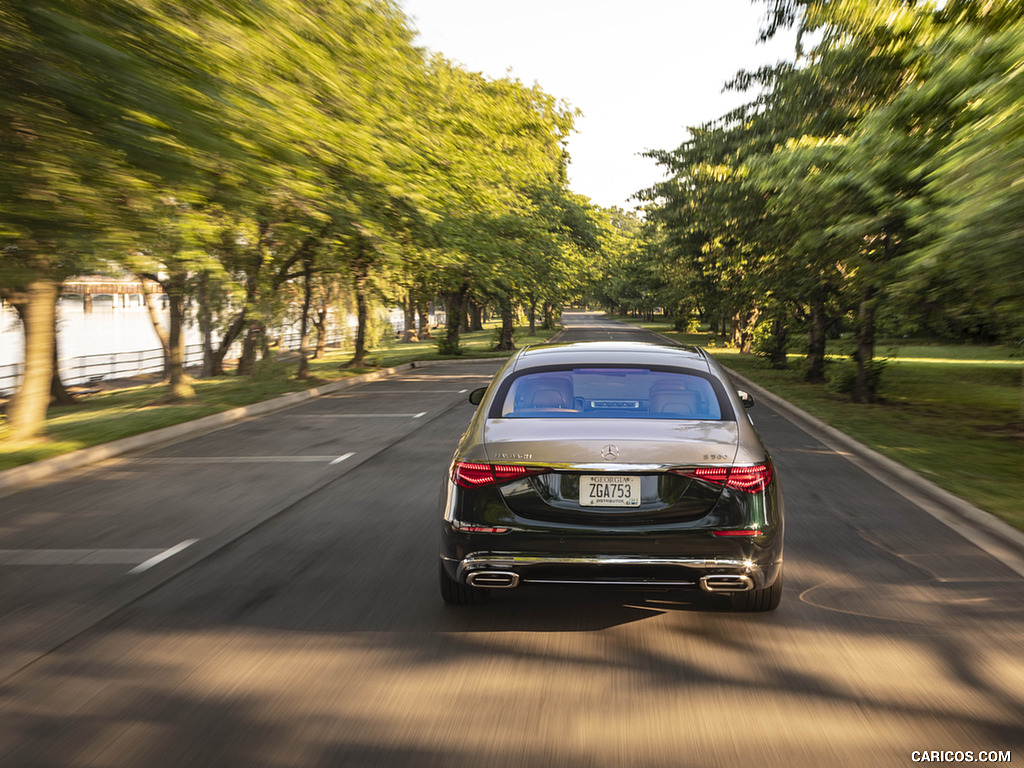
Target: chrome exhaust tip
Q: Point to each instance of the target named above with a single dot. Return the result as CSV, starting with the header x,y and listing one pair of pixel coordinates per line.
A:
x,y
493,579
726,582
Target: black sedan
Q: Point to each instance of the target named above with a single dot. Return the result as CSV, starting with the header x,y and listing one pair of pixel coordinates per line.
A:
x,y
612,464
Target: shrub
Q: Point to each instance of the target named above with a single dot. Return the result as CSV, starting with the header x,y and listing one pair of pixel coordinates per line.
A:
x,y
842,376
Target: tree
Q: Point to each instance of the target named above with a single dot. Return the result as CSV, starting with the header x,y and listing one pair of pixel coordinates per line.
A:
x,y
495,143
102,103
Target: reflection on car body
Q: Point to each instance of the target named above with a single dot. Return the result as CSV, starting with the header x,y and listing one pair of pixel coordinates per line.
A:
x,y
616,464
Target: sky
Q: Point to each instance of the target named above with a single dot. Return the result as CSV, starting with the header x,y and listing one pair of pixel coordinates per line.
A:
x,y
641,71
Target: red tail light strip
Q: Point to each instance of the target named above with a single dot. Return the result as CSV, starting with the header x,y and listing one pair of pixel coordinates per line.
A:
x,y
480,528
749,479
471,474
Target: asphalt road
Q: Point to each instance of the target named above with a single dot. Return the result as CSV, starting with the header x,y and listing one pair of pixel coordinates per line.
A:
x,y
265,595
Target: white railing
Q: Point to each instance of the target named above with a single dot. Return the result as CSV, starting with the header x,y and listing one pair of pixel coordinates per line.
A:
x,y
89,369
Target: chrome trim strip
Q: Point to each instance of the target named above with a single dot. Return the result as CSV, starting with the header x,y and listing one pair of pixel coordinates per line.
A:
x,y
601,466
479,560
511,563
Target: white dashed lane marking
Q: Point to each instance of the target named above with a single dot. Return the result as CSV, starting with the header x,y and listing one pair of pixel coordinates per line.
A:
x,y
244,459
167,553
416,391
142,559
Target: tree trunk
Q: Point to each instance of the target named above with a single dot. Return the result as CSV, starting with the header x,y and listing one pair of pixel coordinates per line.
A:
x,y
26,413
780,340
158,328
865,384
506,340
252,283
361,273
58,393
205,324
816,340
233,332
247,360
180,389
320,323
424,330
455,311
742,329
476,315
409,308
307,301
531,313
548,324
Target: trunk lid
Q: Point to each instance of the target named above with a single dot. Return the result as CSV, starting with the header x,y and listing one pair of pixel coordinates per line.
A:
x,y
655,443
628,459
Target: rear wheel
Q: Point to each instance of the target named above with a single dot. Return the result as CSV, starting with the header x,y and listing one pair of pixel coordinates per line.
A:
x,y
455,593
758,600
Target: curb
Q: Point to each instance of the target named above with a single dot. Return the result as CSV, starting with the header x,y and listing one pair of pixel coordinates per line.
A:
x,y
999,539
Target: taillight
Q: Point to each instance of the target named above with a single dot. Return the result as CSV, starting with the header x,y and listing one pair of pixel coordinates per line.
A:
x,y
749,479
465,527
470,474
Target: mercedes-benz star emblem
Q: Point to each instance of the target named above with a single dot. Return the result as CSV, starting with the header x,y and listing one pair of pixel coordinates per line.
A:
x,y
610,452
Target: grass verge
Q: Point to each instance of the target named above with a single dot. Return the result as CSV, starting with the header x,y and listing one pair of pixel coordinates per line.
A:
x,y
950,413
122,412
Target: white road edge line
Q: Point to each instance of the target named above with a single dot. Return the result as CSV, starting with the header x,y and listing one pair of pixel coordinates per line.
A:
x,y
342,458
167,553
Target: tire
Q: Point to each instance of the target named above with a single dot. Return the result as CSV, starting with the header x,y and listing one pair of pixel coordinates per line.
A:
x,y
454,593
759,600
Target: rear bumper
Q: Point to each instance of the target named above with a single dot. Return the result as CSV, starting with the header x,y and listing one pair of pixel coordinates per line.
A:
x,y
655,554
714,574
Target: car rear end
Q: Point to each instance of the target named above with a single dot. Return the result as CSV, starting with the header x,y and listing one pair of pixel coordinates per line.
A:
x,y
616,475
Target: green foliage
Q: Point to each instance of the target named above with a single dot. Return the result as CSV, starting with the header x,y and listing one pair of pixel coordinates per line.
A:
x,y
932,392
842,375
446,346
250,154
872,182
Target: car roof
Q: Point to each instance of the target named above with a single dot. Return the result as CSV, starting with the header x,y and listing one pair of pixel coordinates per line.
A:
x,y
611,353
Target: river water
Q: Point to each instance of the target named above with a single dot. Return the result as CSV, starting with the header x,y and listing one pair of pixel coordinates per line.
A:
x,y
81,333
103,331
107,341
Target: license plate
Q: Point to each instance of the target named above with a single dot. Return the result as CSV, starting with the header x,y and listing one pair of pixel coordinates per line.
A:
x,y
609,491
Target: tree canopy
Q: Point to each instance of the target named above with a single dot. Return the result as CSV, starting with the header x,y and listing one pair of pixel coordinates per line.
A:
x,y
871,184
242,154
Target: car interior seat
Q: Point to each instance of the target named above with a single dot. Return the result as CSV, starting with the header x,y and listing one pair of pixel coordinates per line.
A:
x,y
674,398
545,392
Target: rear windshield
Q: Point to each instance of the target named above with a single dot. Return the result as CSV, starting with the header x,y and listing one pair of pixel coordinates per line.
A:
x,y
617,393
